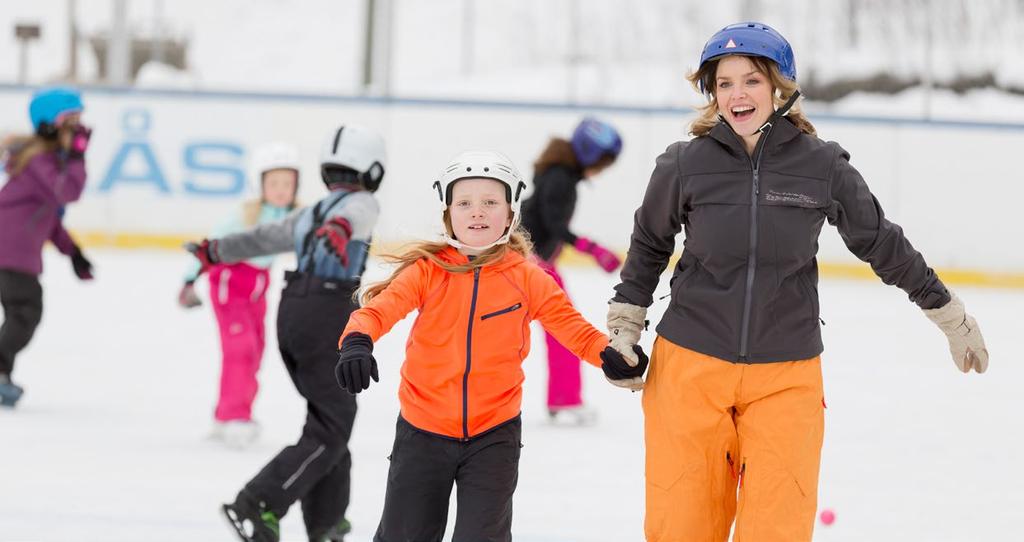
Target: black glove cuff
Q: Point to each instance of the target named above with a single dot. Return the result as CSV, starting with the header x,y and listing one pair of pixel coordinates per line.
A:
x,y
357,340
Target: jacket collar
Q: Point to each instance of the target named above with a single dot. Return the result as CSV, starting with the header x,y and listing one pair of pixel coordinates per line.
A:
x,y
452,256
783,131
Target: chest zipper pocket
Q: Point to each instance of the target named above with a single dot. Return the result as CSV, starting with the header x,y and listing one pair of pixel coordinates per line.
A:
x,y
515,307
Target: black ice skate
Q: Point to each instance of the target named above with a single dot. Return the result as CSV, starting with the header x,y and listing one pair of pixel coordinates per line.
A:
x,y
334,534
251,520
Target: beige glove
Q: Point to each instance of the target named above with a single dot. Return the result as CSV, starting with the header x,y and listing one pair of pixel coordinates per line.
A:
x,y
965,340
625,322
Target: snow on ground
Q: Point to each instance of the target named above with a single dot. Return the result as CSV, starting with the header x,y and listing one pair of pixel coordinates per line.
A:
x,y
108,443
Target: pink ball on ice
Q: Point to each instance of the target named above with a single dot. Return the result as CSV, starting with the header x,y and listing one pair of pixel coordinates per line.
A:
x,y
828,516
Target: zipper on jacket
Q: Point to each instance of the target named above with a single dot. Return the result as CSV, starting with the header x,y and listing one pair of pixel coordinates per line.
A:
x,y
469,357
515,307
755,190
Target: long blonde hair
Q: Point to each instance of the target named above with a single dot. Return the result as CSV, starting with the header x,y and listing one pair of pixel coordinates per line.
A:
x,y
518,241
20,150
707,116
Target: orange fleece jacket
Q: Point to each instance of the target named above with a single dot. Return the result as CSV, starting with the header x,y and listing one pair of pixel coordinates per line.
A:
x,y
463,370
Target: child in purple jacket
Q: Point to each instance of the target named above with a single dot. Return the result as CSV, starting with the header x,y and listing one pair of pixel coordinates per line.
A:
x,y
46,172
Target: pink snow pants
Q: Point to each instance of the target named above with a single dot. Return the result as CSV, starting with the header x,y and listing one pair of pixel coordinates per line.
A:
x,y
564,382
237,293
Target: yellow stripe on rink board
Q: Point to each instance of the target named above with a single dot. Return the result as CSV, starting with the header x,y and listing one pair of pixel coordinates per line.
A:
x,y
570,258
132,240
967,277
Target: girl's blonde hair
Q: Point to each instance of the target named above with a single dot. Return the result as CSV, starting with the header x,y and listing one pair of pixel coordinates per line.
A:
x,y
518,241
783,88
22,149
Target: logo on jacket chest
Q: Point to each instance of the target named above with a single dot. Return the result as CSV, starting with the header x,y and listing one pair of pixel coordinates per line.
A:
x,y
790,197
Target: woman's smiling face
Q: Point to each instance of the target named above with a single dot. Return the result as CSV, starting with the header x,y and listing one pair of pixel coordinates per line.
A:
x,y
744,95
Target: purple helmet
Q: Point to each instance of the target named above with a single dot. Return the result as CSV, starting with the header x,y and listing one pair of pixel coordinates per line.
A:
x,y
751,39
594,139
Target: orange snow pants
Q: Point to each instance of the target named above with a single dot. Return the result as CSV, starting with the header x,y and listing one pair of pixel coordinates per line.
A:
x,y
730,440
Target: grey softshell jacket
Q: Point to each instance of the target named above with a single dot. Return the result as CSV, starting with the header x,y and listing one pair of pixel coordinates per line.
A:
x,y
746,286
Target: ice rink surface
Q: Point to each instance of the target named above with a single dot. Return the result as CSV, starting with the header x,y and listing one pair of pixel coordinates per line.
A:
x,y
108,444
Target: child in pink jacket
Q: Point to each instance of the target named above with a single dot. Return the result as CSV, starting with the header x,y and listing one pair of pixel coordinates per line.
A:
x,y
238,296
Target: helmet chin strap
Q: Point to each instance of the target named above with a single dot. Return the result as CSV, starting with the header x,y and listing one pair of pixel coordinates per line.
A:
x,y
500,241
780,112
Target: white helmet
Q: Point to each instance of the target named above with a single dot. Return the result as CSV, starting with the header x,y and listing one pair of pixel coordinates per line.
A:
x,y
486,165
356,148
271,156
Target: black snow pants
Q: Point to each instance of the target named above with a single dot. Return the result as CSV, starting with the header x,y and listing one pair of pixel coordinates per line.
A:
x,y
316,470
22,298
424,466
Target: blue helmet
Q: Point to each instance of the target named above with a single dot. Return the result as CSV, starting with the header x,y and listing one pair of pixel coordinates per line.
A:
x,y
49,103
594,139
751,39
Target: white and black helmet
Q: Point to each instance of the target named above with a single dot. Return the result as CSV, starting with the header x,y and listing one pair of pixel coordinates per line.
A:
x,y
485,165
353,153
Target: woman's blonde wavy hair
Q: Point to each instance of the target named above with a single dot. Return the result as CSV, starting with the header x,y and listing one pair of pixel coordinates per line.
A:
x,y
707,116
518,241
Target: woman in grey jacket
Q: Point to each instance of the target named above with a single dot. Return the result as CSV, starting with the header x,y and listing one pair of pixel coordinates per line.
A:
x,y
734,393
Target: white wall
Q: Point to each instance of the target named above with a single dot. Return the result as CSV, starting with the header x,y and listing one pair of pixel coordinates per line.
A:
x,y
955,188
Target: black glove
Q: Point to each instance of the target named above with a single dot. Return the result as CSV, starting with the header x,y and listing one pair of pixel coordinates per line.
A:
x,y
82,266
356,365
615,366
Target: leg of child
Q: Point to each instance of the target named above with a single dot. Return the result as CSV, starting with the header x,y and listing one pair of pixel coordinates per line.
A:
x,y
564,380
486,479
22,299
323,507
307,329
420,482
239,319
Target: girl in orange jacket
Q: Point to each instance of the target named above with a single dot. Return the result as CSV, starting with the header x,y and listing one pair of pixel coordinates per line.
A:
x,y
461,387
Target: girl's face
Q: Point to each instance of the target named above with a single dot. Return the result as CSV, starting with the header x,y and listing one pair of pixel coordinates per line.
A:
x,y
279,187
479,213
69,119
593,171
744,96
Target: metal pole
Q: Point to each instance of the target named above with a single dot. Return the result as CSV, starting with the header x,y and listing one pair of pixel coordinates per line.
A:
x,y
23,62
73,43
117,45
158,32
385,46
371,8
468,35
926,77
574,50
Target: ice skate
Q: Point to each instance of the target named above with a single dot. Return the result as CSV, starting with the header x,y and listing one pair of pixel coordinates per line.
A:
x,y
576,415
239,434
251,520
334,534
10,392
